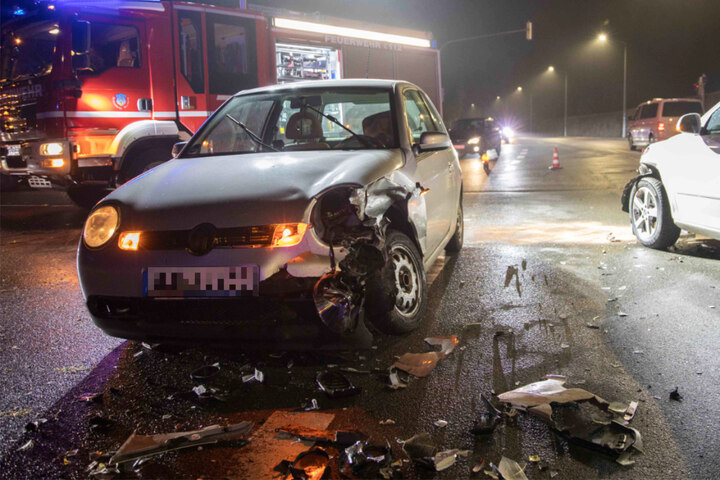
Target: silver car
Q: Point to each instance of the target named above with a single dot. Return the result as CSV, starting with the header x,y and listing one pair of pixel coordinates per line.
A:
x,y
301,210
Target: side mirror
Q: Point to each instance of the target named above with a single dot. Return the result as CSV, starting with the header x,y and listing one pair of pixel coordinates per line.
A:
x,y
177,148
80,44
689,123
431,141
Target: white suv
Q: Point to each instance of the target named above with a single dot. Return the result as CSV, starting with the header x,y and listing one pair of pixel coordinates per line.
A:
x,y
679,184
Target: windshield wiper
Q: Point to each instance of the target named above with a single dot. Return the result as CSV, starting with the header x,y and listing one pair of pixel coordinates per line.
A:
x,y
250,133
337,122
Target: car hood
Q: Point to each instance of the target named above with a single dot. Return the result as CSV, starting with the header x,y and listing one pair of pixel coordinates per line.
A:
x,y
245,189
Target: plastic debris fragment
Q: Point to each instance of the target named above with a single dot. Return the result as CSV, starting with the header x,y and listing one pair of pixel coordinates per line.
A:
x,y
256,376
510,470
336,385
675,395
440,423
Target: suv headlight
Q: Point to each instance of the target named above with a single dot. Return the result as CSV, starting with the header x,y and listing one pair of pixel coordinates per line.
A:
x,y
474,141
100,226
53,148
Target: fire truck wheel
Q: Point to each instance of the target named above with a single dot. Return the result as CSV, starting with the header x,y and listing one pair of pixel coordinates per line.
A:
x,y
139,161
86,196
8,183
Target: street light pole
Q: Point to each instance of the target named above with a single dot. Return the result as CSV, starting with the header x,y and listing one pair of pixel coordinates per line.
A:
x,y
624,122
565,118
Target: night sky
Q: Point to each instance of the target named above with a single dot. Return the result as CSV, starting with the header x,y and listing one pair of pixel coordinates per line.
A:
x,y
670,43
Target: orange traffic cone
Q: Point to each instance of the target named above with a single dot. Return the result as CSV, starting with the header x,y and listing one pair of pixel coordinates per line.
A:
x,y
556,160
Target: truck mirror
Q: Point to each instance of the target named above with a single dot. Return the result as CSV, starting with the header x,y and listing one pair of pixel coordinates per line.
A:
x,y
81,62
80,37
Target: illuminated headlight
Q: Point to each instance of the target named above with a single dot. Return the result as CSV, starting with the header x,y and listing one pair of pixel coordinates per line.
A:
x,y
474,141
100,226
507,131
54,148
288,234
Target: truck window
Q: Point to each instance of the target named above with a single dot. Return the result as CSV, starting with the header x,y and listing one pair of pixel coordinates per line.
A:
x,y
676,109
113,46
232,56
649,110
191,56
417,115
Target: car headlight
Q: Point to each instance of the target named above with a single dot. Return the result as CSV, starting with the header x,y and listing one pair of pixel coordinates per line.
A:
x,y
474,140
53,148
100,226
508,132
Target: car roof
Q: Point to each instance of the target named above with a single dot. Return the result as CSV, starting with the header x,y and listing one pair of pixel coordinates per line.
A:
x,y
322,84
658,100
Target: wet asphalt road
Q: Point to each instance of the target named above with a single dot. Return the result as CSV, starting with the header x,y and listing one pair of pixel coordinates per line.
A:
x,y
582,266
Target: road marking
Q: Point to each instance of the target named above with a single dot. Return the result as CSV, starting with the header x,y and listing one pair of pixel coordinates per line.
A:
x,y
520,157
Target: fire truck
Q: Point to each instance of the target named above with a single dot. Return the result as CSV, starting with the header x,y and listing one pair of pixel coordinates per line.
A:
x,y
93,93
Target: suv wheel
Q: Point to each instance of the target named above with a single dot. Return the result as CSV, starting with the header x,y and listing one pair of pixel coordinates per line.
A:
x,y
631,143
396,297
650,215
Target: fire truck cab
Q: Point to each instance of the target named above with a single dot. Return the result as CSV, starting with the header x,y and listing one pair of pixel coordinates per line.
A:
x,y
94,93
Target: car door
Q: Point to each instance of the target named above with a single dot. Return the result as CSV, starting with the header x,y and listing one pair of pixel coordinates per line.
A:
x,y
696,171
431,168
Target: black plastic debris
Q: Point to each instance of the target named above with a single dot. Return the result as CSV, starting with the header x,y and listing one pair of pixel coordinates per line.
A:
x,y
144,446
367,461
99,424
487,422
421,449
309,405
205,372
336,385
34,426
675,395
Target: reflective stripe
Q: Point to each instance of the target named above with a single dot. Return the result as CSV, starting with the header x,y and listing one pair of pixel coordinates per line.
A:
x,y
163,114
108,114
194,114
49,115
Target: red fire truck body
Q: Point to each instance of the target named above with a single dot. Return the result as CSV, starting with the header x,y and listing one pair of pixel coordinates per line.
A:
x,y
94,93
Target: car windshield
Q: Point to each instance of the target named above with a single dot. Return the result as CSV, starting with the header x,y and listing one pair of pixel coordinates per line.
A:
x,y
469,124
28,50
299,119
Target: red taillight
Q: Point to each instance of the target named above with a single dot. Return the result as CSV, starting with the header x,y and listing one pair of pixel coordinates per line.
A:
x,y
661,127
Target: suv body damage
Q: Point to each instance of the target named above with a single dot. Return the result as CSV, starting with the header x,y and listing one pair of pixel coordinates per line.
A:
x,y
644,170
360,227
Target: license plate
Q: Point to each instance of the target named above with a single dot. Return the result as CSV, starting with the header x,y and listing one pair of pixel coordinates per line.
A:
x,y
459,147
13,150
201,281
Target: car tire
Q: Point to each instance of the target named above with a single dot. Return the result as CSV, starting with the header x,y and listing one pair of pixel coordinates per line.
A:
x,y
651,139
631,143
142,161
396,296
499,148
86,196
650,215
456,241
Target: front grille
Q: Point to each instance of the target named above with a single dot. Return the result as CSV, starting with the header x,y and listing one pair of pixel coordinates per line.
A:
x,y
257,236
15,162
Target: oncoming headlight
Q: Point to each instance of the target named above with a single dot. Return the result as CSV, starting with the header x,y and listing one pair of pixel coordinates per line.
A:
x,y
474,140
100,226
53,148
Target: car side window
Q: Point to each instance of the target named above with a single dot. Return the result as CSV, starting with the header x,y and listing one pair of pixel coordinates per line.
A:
x,y
713,124
649,111
417,116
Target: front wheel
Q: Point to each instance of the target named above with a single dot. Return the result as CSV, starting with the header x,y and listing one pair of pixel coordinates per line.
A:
x,y
396,297
650,215
456,241
86,196
631,143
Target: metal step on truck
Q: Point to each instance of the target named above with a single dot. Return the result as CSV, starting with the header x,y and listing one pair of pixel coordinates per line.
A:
x,y
93,93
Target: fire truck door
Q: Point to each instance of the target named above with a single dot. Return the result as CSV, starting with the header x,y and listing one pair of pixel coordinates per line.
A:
x,y
232,57
190,68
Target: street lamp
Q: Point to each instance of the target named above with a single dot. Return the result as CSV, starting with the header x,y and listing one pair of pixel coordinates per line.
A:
x,y
519,89
552,69
604,38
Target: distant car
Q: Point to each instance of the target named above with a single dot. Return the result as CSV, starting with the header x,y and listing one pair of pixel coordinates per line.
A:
x,y
327,196
476,135
507,134
679,184
655,119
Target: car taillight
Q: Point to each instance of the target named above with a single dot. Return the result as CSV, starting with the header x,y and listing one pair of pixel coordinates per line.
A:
x,y
661,127
288,234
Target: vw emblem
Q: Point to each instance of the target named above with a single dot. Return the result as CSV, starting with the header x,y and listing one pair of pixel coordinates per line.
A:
x,y
201,239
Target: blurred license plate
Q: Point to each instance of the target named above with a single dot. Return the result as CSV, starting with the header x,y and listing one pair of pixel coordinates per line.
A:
x,y
459,147
13,150
201,281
